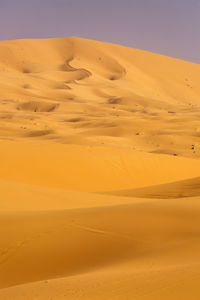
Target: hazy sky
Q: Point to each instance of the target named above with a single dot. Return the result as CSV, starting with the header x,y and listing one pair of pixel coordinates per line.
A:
x,y
170,27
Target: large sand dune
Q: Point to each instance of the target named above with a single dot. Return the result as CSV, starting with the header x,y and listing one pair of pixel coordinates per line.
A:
x,y
99,172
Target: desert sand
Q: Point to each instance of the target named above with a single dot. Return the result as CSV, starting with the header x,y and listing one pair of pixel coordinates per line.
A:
x,y
99,172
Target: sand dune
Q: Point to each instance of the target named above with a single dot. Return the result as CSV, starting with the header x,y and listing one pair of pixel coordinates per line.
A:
x,y
138,240
99,172
77,91
179,189
19,197
89,169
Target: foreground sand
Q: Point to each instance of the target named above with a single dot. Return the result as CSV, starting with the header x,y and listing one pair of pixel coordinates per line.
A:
x,y
99,172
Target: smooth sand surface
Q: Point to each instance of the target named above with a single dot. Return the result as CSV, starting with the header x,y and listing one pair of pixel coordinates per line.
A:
x,y
179,189
99,172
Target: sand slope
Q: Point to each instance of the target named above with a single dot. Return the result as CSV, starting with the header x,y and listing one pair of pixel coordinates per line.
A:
x,y
78,91
90,169
178,189
99,172
125,244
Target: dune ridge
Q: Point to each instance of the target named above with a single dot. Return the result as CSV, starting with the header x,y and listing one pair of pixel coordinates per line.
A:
x,y
99,172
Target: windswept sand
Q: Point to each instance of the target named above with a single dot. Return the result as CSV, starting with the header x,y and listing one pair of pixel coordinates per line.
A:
x,y
99,172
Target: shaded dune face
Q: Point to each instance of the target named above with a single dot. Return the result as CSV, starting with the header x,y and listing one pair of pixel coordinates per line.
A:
x,y
179,189
37,106
77,74
99,172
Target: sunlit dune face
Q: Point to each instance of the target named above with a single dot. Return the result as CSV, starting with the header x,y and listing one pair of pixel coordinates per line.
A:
x,y
118,96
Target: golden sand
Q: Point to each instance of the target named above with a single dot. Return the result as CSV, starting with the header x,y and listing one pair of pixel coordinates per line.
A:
x,y
99,172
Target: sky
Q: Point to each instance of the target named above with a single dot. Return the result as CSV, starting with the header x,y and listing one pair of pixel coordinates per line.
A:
x,y
169,27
